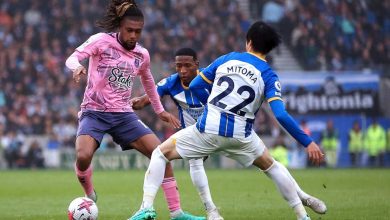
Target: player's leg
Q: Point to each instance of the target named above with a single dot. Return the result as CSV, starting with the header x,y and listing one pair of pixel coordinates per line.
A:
x,y
85,148
190,143
200,181
145,141
310,201
90,132
154,178
146,145
252,151
283,182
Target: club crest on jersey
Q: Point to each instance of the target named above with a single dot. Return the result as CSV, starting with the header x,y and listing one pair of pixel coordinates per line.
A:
x,y
278,86
136,63
162,82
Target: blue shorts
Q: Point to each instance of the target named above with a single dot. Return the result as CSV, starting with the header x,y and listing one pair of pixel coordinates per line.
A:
x,y
124,127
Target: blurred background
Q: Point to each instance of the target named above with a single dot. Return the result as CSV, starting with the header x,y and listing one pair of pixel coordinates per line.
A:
x,y
333,66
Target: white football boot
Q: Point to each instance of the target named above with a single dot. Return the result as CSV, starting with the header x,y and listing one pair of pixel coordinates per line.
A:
x,y
214,215
305,218
315,204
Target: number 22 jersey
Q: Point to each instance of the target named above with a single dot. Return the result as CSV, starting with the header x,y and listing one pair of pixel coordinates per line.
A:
x,y
240,83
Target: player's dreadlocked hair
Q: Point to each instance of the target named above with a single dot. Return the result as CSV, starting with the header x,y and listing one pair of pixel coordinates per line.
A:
x,y
116,11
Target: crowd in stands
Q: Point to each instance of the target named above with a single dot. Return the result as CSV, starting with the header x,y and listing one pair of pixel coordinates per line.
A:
x,y
334,35
37,93
39,97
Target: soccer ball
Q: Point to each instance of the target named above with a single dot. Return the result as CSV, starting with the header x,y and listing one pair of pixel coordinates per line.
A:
x,y
82,208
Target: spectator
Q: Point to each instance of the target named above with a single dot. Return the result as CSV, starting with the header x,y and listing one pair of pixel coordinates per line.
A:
x,y
375,143
13,150
355,144
52,151
337,28
330,142
279,151
34,156
35,38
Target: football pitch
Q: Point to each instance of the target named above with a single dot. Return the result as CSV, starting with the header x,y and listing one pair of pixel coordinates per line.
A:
x,y
240,194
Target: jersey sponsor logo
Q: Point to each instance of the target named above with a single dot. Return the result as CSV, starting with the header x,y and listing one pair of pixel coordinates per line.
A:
x,y
118,78
194,112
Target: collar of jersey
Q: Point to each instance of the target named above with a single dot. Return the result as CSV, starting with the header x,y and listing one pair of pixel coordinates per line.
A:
x,y
186,87
261,57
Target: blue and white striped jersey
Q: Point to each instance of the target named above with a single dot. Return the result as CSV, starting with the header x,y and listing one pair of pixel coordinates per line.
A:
x,y
240,83
188,105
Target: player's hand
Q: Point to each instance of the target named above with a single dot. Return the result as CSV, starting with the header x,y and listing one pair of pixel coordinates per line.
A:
x,y
172,120
78,72
136,103
316,156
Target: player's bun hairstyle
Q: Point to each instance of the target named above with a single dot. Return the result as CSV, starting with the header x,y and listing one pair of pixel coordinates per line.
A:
x,y
116,11
264,38
186,52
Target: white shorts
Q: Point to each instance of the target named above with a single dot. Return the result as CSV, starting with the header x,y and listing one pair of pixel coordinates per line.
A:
x,y
190,143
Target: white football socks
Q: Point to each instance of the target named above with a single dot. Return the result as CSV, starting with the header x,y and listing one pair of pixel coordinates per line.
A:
x,y
154,177
301,193
200,181
286,188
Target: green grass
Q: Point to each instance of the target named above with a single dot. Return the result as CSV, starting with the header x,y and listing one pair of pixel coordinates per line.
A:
x,y
240,194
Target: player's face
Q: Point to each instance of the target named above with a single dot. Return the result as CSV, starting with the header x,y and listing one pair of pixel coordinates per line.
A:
x,y
187,68
130,32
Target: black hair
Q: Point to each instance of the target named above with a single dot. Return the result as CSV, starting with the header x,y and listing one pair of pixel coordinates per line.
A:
x,y
116,11
264,38
186,52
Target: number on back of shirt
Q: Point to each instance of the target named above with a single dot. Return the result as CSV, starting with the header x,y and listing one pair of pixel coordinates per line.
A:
x,y
218,100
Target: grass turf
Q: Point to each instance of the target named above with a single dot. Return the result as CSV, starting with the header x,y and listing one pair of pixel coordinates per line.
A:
x,y
240,194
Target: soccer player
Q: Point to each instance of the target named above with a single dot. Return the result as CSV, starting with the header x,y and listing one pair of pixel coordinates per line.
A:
x,y
189,109
237,84
115,59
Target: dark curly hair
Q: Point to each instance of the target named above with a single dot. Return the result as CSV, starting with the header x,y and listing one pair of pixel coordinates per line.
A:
x,y
116,11
264,38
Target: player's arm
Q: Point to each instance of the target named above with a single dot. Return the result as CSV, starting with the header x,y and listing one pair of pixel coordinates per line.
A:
x,y
201,88
139,103
77,69
288,123
142,101
84,51
201,85
273,93
147,81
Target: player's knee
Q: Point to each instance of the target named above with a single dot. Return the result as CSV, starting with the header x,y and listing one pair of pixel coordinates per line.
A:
x,y
83,155
196,163
158,153
264,162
